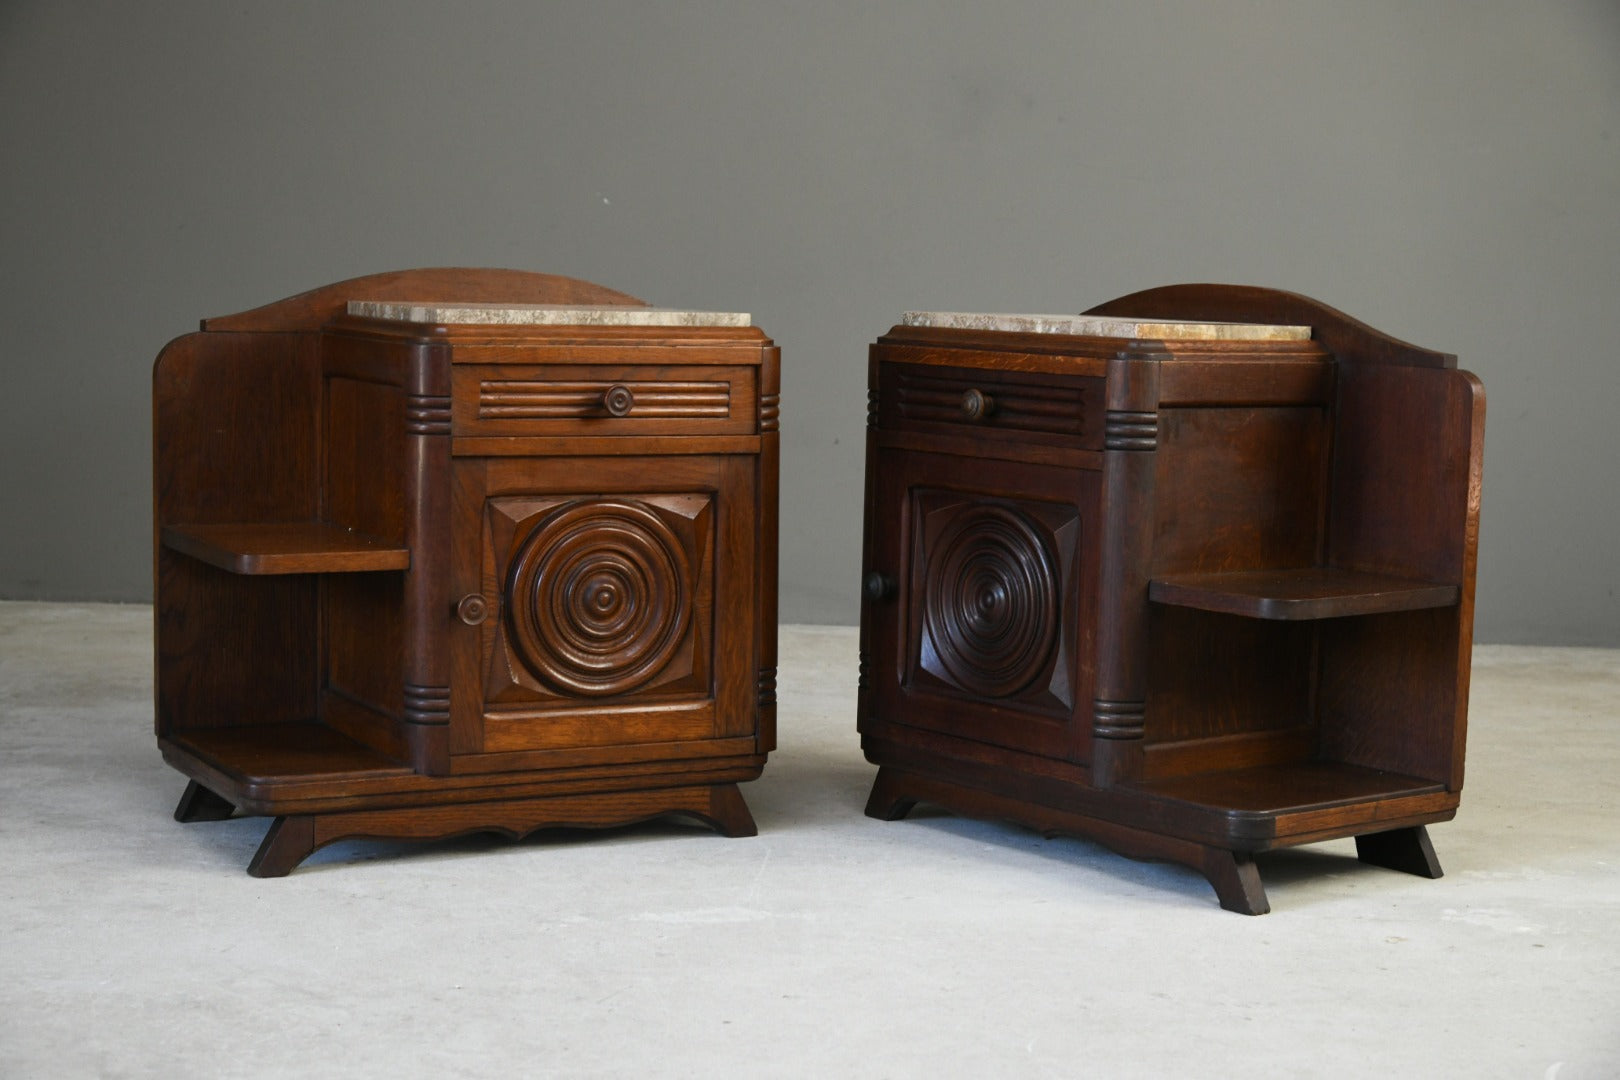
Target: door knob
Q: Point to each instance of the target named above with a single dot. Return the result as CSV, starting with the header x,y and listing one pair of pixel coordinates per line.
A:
x,y
473,609
879,586
976,404
618,400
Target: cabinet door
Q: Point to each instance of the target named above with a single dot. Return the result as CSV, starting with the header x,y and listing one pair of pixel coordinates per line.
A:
x,y
617,598
981,623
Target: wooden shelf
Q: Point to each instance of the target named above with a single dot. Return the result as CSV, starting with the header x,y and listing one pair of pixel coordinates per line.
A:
x,y
1267,805
1291,788
258,754
1311,593
289,547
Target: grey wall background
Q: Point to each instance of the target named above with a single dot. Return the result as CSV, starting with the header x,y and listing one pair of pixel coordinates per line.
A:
x,y
1447,171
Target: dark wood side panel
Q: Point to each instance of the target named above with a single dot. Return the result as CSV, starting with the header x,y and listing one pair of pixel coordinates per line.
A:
x,y
235,432
1403,473
735,634
1407,472
766,494
235,439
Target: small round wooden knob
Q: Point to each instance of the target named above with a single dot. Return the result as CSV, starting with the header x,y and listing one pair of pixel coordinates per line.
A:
x,y
976,404
879,586
473,609
618,400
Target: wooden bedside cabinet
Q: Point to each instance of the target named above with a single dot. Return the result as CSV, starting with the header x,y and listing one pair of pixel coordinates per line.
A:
x,y
1192,576
450,551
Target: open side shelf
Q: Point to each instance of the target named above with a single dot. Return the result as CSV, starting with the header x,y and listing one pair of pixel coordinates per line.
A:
x,y
263,768
1294,801
1309,593
285,547
258,754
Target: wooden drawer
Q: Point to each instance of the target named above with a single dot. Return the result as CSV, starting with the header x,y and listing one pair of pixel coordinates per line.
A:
x,y
1034,407
590,399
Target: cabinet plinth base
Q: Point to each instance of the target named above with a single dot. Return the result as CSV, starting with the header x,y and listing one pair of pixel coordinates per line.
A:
x,y
293,837
1232,873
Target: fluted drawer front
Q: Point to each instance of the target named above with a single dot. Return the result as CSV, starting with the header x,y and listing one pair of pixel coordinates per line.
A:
x,y
1049,409
571,400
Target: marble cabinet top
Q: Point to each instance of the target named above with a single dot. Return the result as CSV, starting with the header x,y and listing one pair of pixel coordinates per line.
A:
x,y
1104,326
544,314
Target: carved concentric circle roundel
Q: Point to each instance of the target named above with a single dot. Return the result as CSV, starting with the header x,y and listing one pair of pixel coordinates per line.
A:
x,y
991,601
599,597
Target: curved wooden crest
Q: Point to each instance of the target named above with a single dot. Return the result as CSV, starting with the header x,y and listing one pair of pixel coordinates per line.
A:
x,y
313,309
1348,338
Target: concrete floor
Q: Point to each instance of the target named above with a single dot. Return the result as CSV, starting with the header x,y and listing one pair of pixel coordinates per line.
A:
x,y
830,944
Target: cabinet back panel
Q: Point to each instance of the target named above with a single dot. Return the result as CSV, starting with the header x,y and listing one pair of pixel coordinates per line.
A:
x,y
1406,484
365,491
233,650
1239,488
365,645
1211,674
1381,704
365,454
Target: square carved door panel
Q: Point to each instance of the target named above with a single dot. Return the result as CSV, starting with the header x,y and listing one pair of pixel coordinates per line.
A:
x,y
600,597
986,634
988,616
599,590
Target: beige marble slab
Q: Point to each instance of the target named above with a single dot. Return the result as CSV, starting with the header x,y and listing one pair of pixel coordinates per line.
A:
x,y
544,314
1102,326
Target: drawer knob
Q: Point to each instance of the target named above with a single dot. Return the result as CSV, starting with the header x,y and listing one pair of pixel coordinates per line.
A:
x,y
473,609
976,404
879,586
618,400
